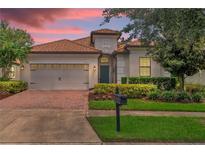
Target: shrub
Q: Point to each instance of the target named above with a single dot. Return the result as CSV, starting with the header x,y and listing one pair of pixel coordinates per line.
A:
x,y
154,95
183,96
104,88
197,97
193,88
163,83
124,80
4,79
13,86
136,90
130,90
168,95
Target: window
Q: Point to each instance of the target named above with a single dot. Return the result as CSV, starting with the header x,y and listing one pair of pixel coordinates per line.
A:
x,y
12,73
145,66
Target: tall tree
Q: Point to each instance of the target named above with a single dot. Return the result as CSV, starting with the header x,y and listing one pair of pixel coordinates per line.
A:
x,y
178,36
15,44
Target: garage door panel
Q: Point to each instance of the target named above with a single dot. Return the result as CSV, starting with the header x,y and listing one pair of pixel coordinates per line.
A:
x,y
74,77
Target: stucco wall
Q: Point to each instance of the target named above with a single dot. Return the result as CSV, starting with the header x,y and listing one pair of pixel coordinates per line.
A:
x,y
128,65
105,43
91,59
156,69
122,66
198,78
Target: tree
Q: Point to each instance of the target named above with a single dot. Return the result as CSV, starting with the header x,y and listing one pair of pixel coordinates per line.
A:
x,y
177,35
15,44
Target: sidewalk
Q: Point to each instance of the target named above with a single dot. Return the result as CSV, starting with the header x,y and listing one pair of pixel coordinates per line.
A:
x,y
92,113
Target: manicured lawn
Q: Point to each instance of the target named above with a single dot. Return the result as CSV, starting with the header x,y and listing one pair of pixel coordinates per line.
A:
x,y
139,104
150,129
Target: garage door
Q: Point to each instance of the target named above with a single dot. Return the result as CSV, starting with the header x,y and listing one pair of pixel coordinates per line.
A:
x,y
59,76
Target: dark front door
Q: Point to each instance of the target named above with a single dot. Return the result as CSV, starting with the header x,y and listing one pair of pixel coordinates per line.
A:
x,y
104,74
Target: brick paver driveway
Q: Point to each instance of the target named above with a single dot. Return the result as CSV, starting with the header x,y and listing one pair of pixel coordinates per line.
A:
x,y
47,99
46,117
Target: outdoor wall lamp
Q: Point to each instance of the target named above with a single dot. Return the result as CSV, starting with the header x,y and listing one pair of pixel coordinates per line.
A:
x,y
94,68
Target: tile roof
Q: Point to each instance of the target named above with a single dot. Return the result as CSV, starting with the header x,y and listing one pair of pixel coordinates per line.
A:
x,y
63,46
84,41
122,46
106,31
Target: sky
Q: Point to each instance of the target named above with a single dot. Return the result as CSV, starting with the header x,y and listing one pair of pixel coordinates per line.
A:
x,y
47,25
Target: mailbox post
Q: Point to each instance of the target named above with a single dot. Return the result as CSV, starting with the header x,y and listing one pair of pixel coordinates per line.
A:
x,y
119,100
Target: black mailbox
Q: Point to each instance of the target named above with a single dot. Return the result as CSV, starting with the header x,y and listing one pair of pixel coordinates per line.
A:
x,y
120,99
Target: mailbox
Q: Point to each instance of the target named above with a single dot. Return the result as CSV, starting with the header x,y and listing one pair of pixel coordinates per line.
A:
x,y
120,99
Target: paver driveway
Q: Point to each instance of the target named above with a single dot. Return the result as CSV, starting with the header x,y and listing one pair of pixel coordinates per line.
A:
x,y
46,117
56,99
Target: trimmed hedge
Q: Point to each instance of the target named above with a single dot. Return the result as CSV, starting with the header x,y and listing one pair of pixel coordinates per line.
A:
x,y
175,96
194,88
13,86
163,83
129,90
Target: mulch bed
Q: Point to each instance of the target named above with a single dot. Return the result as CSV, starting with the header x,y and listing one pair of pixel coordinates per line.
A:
x,y
4,95
93,96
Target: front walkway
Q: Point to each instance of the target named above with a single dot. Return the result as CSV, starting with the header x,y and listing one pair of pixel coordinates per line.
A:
x,y
92,113
46,117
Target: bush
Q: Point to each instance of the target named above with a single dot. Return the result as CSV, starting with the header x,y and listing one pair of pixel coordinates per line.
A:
x,y
154,95
4,79
129,90
104,88
193,88
124,80
163,83
183,96
197,97
13,86
168,95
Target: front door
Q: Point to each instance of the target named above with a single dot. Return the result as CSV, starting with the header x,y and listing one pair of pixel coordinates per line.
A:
x,y
104,74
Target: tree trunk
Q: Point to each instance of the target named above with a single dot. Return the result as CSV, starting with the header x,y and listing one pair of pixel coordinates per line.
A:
x,y
181,82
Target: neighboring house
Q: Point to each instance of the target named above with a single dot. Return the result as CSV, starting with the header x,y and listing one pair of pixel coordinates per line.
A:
x,y
81,63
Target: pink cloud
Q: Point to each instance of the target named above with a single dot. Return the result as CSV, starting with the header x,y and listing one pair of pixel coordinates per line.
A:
x,y
66,30
39,40
39,17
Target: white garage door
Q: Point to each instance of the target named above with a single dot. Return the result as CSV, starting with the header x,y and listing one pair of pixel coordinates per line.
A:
x,y
59,76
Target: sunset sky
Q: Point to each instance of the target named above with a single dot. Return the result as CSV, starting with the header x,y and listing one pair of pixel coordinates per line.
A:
x,y
53,24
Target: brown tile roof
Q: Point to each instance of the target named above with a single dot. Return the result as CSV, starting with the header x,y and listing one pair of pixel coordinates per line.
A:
x,y
137,43
63,46
106,31
84,41
122,47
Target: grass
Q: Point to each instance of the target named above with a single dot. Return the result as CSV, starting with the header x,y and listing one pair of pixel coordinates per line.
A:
x,y
147,105
150,129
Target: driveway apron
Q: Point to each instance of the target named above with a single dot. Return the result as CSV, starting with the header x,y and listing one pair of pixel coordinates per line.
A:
x,y
46,117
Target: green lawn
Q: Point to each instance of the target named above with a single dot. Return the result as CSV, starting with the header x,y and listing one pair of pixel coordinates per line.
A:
x,y
150,129
139,104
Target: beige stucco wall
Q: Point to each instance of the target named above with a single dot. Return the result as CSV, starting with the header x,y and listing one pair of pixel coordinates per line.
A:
x,y
128,65
106,43
91,59
156,69
122,66
198,78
